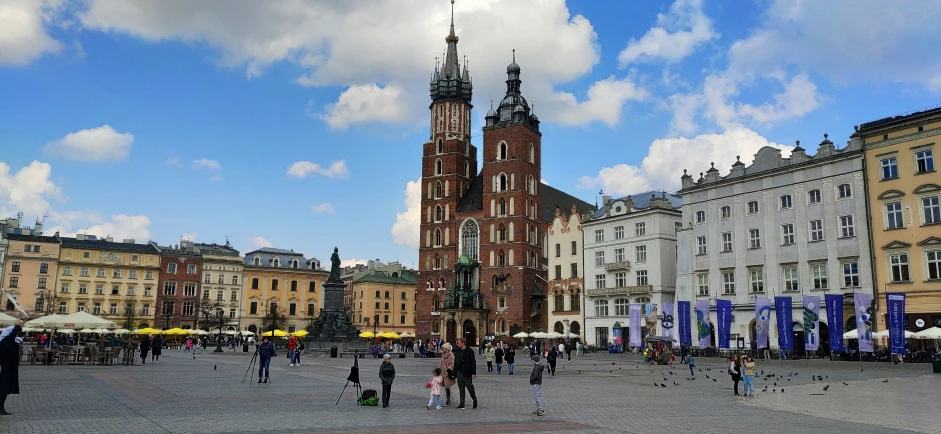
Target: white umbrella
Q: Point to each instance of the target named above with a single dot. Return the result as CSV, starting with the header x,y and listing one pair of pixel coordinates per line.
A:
x,y
932,333
200,332
103,331
30,330
74,320
66,331
121,331
852,334
248,333
231,332
572,335
521,335
40,323
885,334
6,320
554,335
406,335
86,331
538,335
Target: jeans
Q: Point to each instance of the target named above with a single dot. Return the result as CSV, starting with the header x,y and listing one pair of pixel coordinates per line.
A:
x,y
297,358
499,367
509,368
386,392
691,366
435,399
263,365
489,366
536,389
749,386
466,383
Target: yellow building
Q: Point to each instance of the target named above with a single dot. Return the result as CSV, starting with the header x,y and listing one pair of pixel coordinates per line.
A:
x,y
283,283
904,188
388,296
29,272
117,281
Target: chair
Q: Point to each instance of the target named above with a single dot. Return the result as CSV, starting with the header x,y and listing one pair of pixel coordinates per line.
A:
x,y
105,356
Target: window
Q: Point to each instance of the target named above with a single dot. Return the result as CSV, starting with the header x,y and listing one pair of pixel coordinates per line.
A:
x,y
292,309
931,210
932,263
14,282
293,286
574,303
207,278
66,271
235,280
83,288
599,235
813,197
43,268
558,303
131,274
754,238
701,242
274,284
786,202
890,168
189,289
169,288
42,283
899,264
816,230
558,272
147,291
63,309
252,308
726,212
99,289
703,283
81,307
84,272
790,279
438,167
618,232
618,255
641,277
640,253
96,309
171,268
846,226
101,272
756,278
700,216
133,258
558,250
621,306
620,279
501,151
727,242
191,269
850,275
116,274
220,295
149,275
640,228
254,283
574,247
753,207
843,191
893,215
599,259
601,307
86,255
131,290
312,286
728,282
820,276
15,267
113,309
924,161
599,281
574,270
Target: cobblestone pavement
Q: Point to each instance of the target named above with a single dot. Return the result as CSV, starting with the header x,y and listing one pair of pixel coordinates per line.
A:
x,y
599,393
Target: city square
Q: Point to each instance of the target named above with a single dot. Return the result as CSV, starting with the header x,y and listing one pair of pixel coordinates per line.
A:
x,y
595,393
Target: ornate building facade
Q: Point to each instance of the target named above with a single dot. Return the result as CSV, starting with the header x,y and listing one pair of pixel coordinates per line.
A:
x,y
282,286
30,273
178,288
566,273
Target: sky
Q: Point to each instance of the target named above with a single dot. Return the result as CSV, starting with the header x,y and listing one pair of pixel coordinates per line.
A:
x,y
299,124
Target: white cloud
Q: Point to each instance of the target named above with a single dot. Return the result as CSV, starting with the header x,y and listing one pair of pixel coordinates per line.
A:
x,y
606,98
23,36
367,103
95,145
259,242
119,226
188,236
406,229
326,208
211,165
690,29
662,167
799,97
543,181
28,190
302,169
352,262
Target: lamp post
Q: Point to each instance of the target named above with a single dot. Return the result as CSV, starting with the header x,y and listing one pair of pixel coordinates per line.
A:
x,y
375,324
566,322
168,312
220,315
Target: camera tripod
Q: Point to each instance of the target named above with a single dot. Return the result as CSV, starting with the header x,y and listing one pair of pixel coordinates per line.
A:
x,y
251,365
354,378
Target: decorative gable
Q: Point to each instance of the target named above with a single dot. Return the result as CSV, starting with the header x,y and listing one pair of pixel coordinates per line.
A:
x,y
891,194
896,245
930,241
927,188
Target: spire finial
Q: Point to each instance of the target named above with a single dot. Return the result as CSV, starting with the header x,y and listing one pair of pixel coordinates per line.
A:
x,y
452,17
491,101
514,52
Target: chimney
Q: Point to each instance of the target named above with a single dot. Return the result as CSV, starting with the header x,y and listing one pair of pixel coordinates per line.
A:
x,y
38,229
128,241
80,237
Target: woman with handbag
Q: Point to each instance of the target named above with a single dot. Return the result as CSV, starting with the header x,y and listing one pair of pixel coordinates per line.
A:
x,y
735,371
447,372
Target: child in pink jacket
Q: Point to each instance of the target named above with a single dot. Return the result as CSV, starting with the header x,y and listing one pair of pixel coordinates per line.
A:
x,y
435,386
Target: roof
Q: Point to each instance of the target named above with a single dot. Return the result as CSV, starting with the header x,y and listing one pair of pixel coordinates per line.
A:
x,y
33,238
903,119
404,277
642,201
100,244
473,198
551,198
267,255
274,251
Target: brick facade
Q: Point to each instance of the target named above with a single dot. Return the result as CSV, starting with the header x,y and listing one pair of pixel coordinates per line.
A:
x,y
179,284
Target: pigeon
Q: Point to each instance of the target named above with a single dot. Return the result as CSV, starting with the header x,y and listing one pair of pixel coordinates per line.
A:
x,y
826,388
708,369
610,371
213,367
655,384
707,376
886,380
765,389
788,379
826,376
844,383
664,378
675,383
775,384
782,390
713,379
774,390
613,363
663,385
813,378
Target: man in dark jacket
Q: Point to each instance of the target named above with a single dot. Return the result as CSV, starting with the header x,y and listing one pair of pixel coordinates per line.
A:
x,y
551,358
466,369
386,376
265,353
535,379
144,348
9,363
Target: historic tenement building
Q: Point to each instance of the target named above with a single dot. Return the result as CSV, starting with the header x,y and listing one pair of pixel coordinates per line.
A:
x,y
566,273
282,287
30,273
179,287
481,262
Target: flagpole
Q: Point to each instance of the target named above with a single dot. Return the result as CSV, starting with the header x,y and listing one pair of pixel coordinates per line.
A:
x,y
804,326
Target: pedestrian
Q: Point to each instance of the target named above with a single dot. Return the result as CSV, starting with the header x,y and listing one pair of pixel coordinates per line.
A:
x,y
144,348
490,354
265,352
155,346
510,357
446,365
749,377
435,386
10,363
691,362
568,351
561,349
535,379
465,368
684,352
498,354
579,350
735,371
386,376
551,358
298,350
292,345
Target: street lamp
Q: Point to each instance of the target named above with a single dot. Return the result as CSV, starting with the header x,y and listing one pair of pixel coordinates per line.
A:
x,y
375,324
220,315
168,312
566,322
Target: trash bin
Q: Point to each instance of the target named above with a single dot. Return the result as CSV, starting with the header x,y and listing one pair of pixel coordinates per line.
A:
x,y
936,366
245,348
333,352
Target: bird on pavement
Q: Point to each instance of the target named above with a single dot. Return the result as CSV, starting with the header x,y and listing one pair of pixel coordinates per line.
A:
x,y
213,367
844,383
713,379
707,376
663,385
675,383
782,390
826,388
886,380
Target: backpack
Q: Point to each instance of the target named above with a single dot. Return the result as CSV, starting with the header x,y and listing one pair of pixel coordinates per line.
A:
x,y
369,398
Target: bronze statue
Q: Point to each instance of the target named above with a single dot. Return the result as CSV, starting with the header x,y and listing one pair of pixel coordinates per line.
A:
x,y
335,266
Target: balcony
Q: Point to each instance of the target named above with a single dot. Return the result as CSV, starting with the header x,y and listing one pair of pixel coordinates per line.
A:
x,y
624,290
620,265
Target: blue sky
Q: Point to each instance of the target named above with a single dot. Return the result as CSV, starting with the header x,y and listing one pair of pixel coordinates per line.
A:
x,y
163,119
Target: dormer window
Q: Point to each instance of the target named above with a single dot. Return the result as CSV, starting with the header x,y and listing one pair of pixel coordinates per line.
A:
x,y
276,262
256,261
294,264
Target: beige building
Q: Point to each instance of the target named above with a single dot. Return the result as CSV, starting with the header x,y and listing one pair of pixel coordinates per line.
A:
x,y
30,272
904,188
222,279
566,276
386,296
117,281
282,287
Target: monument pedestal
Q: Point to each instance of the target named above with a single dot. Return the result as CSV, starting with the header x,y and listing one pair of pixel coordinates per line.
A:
x,y
333,324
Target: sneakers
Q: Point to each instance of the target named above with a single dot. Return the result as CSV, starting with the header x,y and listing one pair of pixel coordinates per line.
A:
x,y
540,413
459,407
475,404
447,404
437,408
292,364
429,407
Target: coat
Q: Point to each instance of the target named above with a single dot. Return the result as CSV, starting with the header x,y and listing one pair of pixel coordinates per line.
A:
x,y
447,364
499,355
464,362
386,373
510,356
489,354
145,343
10,363
156,345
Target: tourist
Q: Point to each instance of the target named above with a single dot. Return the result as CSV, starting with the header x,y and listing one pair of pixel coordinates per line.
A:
x,y
465,368
735,371
749,377
10,363
691,362
551,359
292,346
509,357
579,349
155,346
490,355
568,351
535,379
561,349
498,356
446,365
144,348
266,352
435,386
386,376
297,353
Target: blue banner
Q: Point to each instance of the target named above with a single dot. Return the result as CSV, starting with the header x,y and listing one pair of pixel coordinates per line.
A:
x,y
703,327
724,313
682,311
634,311
762,321
811,305
782,311
835,320
667,322
895,303
865,318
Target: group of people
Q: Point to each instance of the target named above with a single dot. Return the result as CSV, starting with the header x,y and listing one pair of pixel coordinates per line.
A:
x,y
152,344
742,369
500,353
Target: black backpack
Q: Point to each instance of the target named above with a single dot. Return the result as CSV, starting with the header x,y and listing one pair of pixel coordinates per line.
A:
x,y
369,393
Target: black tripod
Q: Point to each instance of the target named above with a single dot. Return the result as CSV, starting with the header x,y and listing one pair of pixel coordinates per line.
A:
x,y
251,365
354,377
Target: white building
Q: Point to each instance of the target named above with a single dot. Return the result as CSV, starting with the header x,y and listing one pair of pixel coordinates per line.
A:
x,y
566,284
630,257
782,226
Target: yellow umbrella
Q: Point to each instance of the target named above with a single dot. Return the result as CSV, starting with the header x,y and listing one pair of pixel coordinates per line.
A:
x,y
367,335
299,333
388,335
148,331
278,333
177,331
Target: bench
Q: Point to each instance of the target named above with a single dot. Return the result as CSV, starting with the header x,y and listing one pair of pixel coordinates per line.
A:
x,y
361,354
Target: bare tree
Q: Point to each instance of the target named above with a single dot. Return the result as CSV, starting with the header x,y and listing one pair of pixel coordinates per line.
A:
x,y
131,311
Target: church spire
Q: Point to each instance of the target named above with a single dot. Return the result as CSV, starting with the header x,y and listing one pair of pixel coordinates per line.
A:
x,y
452,66
450,82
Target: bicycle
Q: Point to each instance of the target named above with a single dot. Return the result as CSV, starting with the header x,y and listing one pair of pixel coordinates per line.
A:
x,y
130,357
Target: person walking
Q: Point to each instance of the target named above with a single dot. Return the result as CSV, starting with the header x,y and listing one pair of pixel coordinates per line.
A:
x,y
155,349
144,348
499,353
551,359
749,377
568,351
446,365
386,376
10,363
298,350
466,369
265,352
435,386
510,357
735,371
535,379
292,346
691,362
490,354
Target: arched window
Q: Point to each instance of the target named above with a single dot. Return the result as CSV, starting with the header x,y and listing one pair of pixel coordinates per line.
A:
x,y
442,284
437,262
294,264
501,234
470,240
256,261
501,151
503,182
439,214
601,307
532,153
493,281
439,146
467,148
276,262
501,207
437,304
501,326
438,190
430,285
467,169
502,259
438,167
437,241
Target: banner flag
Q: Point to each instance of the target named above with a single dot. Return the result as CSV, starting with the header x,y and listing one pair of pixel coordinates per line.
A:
x,y
703,331
618,338
762,321
667,322
724,318
865,317
686,338
895,303
835,320
811,322
634,321
782,307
